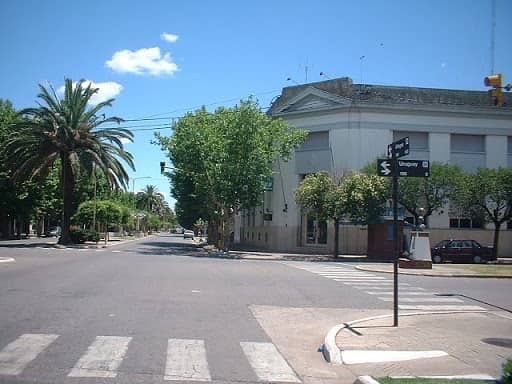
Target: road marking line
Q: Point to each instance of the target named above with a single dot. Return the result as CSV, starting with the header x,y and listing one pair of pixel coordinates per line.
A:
x,y
362,356
401,293
16,355
102,358
384,284
268,363
442,307
424,299
346,274
186,361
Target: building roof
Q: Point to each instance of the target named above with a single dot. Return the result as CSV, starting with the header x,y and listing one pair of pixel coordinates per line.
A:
x,y
344,89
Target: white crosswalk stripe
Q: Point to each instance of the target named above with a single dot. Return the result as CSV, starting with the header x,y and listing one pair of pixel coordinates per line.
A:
x,y
442,308
423,299
103,357
16,355
268,364
409,297
401,293
186,361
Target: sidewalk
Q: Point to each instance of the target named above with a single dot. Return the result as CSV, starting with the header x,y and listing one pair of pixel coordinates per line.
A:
x,y
426,344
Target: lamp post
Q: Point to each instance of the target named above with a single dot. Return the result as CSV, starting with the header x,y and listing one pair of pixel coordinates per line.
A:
x,y
137,216
138,178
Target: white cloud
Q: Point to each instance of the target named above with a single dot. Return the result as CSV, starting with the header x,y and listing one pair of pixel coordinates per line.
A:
x,y
105,91
126,141
169,37
144,61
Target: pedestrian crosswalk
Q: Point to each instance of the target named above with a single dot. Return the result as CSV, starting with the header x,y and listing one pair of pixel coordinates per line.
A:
x,y
380,287
185,359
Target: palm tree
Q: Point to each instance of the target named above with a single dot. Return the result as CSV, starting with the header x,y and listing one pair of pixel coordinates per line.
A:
x,y
150,199
69,130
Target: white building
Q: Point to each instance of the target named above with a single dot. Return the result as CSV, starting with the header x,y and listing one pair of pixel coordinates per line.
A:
x,y
349,126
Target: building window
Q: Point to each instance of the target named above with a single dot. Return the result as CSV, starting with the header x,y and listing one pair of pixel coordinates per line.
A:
x,y
418,141
315,140
468,152
463,222
467,143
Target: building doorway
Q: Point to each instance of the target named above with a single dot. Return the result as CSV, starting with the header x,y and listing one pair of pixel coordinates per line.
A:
x,y
316,231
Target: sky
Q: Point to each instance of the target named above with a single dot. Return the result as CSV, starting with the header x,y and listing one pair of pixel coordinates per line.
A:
x,y
162,58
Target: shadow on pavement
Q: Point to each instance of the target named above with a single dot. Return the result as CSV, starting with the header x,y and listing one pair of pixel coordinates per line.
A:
x,y
161,248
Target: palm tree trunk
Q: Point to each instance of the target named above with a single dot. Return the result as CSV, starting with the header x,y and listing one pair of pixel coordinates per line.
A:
x,y
67,194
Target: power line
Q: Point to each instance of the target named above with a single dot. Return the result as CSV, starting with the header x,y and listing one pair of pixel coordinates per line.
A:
x,y
152,117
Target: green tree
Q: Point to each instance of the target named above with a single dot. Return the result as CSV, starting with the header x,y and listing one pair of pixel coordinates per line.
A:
x,y
104,212
224,158
18,199
487,194
363,197
69,130
149,199
317,196
431,193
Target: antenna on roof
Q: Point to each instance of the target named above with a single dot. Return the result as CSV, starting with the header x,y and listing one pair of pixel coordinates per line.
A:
x,y
361,66
493,33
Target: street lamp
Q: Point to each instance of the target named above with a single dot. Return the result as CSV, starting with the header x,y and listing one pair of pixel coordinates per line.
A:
x,y
138,178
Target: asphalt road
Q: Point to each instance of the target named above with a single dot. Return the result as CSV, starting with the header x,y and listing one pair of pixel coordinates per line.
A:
x,y
140,312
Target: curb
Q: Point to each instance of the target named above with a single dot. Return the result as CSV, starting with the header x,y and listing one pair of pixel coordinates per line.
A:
x,y
371,380
334,355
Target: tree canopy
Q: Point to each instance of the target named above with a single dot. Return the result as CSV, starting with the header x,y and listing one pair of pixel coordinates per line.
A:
x,y
222,159
71,130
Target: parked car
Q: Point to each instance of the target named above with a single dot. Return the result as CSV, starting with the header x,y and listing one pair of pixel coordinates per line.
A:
x,y
179,230
461,251
53,232
188,234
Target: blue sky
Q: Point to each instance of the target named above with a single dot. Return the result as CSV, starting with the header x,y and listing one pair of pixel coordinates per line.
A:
x,y
160,59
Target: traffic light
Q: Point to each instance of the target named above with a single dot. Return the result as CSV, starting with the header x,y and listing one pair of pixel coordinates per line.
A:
x,y
496,93
162,167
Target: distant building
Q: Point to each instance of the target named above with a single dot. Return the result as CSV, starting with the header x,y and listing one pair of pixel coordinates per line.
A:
x,y
350,125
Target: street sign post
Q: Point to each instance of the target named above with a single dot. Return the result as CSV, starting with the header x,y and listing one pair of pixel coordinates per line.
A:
x,y
399,148
395,168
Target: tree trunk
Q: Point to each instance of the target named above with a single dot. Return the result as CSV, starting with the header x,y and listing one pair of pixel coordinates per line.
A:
x,y
497,226
336,237
67,194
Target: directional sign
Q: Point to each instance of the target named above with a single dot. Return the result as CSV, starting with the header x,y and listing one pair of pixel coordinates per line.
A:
x,y
384,167
413,168
399,147
405,168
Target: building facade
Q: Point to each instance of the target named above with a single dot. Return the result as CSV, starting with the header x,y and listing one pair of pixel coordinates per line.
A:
x,y
349,126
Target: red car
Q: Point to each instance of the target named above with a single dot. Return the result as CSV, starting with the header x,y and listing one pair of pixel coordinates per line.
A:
x,y
462,251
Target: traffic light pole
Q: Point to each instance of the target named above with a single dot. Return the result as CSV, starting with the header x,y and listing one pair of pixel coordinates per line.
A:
x,y
396,248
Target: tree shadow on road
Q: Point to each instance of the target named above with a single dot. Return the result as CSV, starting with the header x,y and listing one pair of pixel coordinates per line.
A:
x,y
161,248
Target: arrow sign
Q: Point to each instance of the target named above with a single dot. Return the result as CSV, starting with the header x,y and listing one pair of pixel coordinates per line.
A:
x,y
400,148
384,167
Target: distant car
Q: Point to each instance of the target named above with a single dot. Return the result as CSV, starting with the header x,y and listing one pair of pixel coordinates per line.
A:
x,y
179,230
461,251
188,234
53,232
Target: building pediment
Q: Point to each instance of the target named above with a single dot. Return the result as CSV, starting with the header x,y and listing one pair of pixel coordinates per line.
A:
x,y
312,99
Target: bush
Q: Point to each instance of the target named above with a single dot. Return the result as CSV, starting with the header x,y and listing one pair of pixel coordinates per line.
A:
x,y
80,236
506,378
